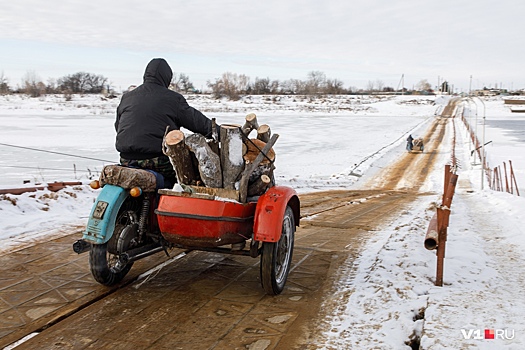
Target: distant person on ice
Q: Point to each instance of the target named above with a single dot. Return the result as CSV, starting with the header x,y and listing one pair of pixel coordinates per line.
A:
x,y
410,144
143,115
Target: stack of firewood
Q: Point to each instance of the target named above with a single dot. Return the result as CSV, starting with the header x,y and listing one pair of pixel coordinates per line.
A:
x,y
233,161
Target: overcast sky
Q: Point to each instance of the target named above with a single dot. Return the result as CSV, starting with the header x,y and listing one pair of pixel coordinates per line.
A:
x,y
355,41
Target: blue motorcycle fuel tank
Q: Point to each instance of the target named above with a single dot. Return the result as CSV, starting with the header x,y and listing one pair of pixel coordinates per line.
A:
x,y
104,214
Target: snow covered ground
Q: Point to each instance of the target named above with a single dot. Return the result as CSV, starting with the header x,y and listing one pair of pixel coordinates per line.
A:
x,y
387,296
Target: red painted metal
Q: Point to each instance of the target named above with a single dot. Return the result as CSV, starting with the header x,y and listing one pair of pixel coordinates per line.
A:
x,y
199,222
270,212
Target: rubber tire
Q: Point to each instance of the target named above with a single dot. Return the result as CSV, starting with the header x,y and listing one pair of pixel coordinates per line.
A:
x,y
100,267
274,265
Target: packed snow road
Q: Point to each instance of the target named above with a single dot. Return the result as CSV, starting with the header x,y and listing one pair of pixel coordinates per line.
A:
x,y
201,300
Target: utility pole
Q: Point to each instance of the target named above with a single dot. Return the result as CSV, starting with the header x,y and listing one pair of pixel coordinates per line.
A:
x,y
470,86
402,83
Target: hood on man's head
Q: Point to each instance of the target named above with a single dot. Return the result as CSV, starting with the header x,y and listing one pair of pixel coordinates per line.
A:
x,y
158,71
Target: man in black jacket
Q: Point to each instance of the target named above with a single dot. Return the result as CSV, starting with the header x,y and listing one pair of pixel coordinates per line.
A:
x,y
143,115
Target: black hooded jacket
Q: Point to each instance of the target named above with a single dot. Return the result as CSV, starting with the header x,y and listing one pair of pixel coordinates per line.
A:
x,y
144,113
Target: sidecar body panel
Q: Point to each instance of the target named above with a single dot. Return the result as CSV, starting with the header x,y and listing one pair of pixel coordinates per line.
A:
x,y
104,213
201,222
270,212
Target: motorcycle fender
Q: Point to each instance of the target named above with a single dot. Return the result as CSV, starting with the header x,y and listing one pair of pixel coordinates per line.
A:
x,y
269,213
104,214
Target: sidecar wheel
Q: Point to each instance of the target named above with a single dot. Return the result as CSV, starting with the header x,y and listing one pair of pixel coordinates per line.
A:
x,y
105,266
276,257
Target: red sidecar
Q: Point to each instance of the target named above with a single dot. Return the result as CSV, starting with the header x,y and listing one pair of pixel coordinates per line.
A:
x,y
210,222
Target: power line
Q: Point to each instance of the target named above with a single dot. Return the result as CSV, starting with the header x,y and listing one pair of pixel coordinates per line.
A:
x,y
60,153
40,168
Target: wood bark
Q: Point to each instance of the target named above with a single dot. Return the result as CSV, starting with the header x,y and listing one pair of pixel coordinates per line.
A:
x,y
214,142
250,167
209,162
259,186
262,169
174,146
254,146
266,166
231,155
264,133
250,124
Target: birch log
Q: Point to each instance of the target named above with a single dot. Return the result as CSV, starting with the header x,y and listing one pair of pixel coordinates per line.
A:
x,y
209,162
174,146
231,155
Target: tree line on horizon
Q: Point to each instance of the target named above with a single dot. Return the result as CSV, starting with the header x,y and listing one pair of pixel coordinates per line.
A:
x,y
229,85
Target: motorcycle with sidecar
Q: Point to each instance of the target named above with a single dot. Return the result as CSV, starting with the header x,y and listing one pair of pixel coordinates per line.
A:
x,y
133,218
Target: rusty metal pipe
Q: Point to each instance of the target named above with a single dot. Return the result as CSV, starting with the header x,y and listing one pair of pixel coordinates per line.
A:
x,y
432,236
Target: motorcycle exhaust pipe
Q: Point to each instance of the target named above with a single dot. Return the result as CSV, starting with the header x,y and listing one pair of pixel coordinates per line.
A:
x,y
140,252
81,246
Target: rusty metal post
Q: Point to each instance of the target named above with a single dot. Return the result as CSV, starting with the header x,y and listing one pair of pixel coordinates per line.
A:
x,y
447,180
500,179
506,179
442,239
512,177
443,215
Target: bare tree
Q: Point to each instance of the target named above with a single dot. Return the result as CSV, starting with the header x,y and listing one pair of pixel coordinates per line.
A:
x,y
32,84
261,86
182,83
51,86
82,82
316,82
370,86
230,85
4,84
274,86
423,85
334,87
293,87
379,84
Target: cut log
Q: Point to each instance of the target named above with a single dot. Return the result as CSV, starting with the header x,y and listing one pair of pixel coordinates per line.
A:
x,y
259,186
250,124
175,148
214,142
254,147
264,133
231,155
209,162
243,185
262,169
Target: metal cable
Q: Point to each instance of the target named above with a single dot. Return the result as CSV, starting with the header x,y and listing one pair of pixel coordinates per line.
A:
x,y
59,153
